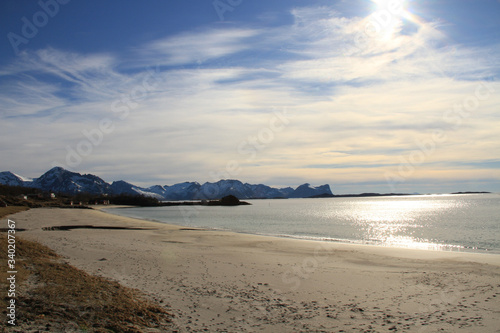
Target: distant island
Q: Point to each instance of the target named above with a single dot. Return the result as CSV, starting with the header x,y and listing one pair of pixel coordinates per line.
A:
x,y
229,200
361,195
383,194
471,192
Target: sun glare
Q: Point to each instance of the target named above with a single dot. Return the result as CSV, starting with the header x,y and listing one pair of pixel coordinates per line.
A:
x,y
389,16
393,6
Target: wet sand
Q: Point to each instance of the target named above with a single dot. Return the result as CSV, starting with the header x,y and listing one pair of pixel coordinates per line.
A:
x,y
228,282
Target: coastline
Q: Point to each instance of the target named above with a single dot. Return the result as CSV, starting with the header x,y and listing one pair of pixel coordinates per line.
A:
x,y
404,252
359,234
490,258
220,280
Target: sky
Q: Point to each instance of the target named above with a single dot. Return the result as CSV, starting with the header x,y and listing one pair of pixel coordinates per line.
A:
x,y
363,95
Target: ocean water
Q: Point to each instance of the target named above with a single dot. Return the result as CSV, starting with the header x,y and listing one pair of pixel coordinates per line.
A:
x,y
469,222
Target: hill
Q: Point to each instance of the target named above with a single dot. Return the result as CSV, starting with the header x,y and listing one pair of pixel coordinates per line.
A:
x,y
60,180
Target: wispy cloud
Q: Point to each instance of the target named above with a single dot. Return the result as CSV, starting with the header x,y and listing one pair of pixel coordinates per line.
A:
x,y
356,107
197,47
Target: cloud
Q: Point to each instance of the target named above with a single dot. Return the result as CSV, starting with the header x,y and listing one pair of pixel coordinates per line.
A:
x,y
197,47
193,99
29,97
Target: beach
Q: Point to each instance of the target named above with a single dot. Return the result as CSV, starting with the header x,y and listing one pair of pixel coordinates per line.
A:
x,y
220,281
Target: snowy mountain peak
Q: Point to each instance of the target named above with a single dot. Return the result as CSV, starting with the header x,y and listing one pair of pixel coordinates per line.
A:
x,y
122,187
56,169
24,179
9,178
306,191
61,180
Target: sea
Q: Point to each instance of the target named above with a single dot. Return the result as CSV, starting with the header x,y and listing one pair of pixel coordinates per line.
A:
x,y
449,222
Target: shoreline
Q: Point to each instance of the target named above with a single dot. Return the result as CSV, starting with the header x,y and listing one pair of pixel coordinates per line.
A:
x,y
221,280
311,238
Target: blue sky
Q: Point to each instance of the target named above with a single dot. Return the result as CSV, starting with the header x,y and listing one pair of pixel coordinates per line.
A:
x,y
365,95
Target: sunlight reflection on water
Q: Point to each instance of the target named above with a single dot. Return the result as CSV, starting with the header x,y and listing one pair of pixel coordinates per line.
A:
x,y
400,222
433,222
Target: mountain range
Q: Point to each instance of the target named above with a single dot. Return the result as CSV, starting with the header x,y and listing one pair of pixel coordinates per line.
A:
x,y
60,180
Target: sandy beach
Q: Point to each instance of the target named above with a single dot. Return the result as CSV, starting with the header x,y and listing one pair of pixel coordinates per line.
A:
x,y
228,282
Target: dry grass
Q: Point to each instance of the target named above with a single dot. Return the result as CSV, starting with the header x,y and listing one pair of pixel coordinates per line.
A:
x,y
4,211
54,296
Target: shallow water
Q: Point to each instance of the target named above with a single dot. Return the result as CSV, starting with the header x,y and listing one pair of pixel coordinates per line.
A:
x,y
468,222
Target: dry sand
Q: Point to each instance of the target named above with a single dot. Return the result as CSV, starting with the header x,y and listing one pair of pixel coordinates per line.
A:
x,y
227,282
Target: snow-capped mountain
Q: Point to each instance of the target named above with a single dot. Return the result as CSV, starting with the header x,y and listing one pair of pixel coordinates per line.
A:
x,y
9,178
240,190
157,190
63,181
306,191
223,188
182,191
122,187
264,191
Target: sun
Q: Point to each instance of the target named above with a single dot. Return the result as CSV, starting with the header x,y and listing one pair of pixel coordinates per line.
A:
x,y
389,16
395,7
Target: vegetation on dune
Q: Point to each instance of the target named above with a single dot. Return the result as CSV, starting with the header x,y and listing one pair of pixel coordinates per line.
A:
x,y
35,198
134,200
4,211
52,295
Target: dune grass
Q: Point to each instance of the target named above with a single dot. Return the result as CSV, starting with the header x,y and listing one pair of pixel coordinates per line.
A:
x,y
53,295
5,211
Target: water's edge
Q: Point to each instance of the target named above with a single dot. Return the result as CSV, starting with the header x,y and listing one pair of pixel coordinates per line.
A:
x,y
142,213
